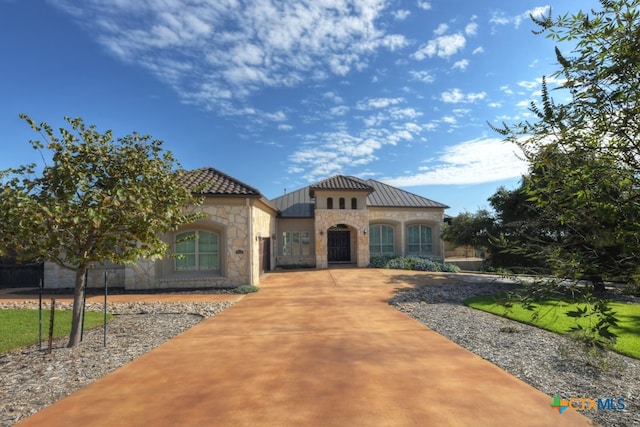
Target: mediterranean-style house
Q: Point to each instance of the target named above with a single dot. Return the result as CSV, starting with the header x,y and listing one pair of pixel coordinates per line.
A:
x,y
342,219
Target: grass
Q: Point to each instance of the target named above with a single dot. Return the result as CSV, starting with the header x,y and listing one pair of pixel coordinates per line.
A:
x,y
550,315
19,328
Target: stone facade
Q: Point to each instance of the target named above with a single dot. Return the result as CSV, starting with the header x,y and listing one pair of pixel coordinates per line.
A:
x,y
358,224
251,232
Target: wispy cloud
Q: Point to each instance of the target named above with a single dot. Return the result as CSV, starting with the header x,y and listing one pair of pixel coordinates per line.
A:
x,y
500,18
374,103
213,53
401,14
423,76
388,123
470,162
461,65
442,46
425,5
456,96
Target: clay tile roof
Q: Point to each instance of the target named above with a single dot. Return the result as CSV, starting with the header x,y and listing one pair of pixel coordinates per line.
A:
x,y
340,183
210,181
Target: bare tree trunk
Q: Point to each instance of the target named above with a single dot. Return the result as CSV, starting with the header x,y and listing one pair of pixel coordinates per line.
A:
x,y
78,303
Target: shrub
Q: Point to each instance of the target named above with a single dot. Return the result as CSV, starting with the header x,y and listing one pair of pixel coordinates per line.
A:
x,y
245,289
412,263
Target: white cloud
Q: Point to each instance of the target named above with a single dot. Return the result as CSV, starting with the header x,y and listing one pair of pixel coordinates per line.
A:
x,y
456,96
442,28
327,153
213,53
423,76
334,97
461,65
375,103
500,18
286,128
506,90
470,162
478,50
278,116
425,5
339,111
443,46
471,29
401,14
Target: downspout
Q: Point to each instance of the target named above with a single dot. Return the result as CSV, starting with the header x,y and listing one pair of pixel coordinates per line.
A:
x,y
251,244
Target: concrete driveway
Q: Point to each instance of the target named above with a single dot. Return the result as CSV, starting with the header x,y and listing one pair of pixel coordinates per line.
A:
x,y
311,348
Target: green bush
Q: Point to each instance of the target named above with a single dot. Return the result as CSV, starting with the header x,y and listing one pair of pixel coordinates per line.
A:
x,y
245,289
412,263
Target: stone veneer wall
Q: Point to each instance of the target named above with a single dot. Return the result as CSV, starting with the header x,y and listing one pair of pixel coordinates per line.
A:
x,y
264,227
241,221
357,220
229,215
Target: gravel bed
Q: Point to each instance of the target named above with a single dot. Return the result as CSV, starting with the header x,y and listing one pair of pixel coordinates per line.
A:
x,y
549,362
33,379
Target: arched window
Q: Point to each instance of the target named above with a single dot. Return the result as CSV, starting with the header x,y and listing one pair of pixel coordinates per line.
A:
x,y
354,203
381,240
329,202
419,240
342,203
198,250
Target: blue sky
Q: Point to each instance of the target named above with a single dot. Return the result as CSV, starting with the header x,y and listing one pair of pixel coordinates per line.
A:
x,y
281,94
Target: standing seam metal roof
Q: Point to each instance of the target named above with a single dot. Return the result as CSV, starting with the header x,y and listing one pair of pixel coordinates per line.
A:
x,y
301,204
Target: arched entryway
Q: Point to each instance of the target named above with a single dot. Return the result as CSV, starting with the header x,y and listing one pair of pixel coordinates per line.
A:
x,y
339,244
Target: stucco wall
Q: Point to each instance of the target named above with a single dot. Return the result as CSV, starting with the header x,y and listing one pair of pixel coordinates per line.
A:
x,y
292,225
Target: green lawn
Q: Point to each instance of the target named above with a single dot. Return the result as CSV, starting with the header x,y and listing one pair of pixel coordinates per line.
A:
x,y
551,316
19,328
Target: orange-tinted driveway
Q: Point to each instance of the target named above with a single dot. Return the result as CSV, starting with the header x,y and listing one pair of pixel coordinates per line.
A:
x,y
312,348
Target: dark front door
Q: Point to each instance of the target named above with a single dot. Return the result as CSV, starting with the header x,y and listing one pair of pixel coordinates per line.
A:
x,y
265,255
339,246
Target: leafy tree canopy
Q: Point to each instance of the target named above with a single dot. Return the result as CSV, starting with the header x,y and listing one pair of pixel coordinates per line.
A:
x,y
98,200
585,151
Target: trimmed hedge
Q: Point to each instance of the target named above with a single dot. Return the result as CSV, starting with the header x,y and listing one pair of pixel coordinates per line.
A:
x,y
412,263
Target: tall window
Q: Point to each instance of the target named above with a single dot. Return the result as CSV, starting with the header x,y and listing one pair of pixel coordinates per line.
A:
x,y
354,203
296,243
198,250
342,206
329,202
381,240
419,239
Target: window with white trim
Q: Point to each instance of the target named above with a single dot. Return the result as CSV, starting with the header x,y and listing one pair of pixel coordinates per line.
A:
x,y
381,240
419,239
198,251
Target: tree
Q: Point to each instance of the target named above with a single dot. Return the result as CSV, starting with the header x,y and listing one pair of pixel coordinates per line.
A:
x,y
470,229
514,220
585,152
98,200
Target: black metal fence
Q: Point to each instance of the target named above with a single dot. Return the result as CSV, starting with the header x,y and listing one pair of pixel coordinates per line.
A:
x,y
14,275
